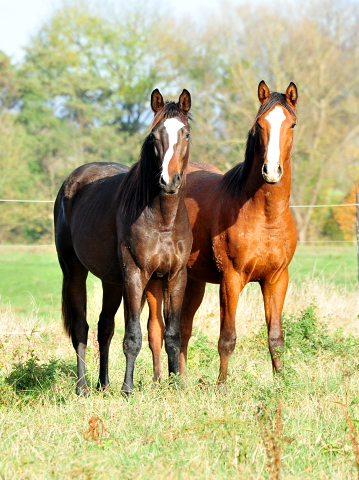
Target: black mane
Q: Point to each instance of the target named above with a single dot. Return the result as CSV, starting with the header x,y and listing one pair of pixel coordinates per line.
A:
x,y
141,184
235,179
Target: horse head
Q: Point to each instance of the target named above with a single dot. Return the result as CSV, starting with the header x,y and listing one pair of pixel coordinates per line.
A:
x,y
170,135
276,120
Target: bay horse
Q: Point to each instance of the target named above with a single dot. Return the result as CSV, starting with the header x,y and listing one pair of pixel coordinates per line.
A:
x,y
243,230
128,227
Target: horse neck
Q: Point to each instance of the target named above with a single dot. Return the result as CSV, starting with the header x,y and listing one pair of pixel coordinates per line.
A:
x,y
165,207
272,198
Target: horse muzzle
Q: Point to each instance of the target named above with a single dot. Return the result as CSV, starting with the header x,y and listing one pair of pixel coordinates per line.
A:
x,y
272,175
172,186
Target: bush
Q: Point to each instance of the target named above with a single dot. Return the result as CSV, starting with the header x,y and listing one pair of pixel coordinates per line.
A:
x,y
304,333
34,378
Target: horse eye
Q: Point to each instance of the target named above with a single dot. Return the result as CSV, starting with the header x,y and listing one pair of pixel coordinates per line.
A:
x,y
294,124
187,135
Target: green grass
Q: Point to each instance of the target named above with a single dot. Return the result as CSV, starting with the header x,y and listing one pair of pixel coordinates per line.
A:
x,y
31,281
37,276
196,433
331,263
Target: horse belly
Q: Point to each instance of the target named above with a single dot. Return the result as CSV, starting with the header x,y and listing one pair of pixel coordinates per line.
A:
x,y
202,267
95,244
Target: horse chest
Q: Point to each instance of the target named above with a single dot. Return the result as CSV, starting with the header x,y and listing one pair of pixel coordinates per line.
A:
x,y
253,254
159,252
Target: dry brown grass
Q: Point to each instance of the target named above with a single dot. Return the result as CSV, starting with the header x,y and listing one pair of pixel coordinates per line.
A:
x,y
337,307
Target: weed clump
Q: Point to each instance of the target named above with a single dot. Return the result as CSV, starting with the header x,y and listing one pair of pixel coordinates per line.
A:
x,y
202,351
306,334
33,378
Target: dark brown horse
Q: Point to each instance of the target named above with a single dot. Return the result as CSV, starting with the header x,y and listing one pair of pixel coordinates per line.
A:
x,y
128,227
243,230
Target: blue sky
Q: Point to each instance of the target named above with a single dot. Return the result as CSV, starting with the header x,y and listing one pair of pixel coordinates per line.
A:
x,y
19,19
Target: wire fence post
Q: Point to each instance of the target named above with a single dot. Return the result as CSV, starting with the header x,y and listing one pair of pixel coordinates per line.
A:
x,y
357,206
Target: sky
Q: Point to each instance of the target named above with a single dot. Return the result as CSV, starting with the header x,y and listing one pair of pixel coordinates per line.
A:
x,y
19,19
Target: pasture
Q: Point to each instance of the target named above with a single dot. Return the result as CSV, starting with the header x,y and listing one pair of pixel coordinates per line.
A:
x,y
197,432
31,280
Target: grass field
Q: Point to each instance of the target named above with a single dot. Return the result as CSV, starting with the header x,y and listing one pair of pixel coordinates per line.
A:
x,y
198,432
32,280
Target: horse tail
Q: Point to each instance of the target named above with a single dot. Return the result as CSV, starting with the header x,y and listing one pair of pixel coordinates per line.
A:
x,y
66,310
143,300
66,254
166,303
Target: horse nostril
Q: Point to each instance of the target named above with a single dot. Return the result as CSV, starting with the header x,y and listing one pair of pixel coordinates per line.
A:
x,y
265,168
177,179
162,182
280,170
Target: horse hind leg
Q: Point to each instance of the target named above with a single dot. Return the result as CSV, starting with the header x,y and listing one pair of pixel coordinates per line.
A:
x,y
155,325
192,300
112,296
74,313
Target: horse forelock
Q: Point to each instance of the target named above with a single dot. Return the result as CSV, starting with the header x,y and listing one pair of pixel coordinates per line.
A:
x,y
274,100
170,110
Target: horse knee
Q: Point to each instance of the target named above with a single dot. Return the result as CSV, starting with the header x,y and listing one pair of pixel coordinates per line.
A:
x,y
172,341
132,343
226,344
276,344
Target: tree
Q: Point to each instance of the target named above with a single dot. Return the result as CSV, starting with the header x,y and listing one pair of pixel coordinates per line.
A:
x,y
346,216
8,84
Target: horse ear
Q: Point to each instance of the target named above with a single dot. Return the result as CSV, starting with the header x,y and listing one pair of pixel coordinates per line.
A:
x,y
185,101
263,92
291,94
156,100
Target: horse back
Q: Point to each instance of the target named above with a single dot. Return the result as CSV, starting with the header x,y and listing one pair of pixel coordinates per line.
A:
x,y
201,166
81,177
85,218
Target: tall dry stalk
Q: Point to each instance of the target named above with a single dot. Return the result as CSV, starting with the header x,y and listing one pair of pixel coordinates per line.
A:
x,y
273,442
352,435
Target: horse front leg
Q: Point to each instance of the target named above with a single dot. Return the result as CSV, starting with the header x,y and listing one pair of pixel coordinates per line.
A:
x,y
230,289
174,298
155,325
274,296
133,289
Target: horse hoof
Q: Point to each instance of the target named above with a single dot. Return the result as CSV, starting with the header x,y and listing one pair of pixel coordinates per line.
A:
x,y
222,388
82,391
102,388
126,392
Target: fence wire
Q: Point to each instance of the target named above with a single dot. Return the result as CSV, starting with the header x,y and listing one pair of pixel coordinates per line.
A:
x,y
291,206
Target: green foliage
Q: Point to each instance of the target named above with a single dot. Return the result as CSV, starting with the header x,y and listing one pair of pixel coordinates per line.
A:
x,y
201,351
34,378
305,335
8,83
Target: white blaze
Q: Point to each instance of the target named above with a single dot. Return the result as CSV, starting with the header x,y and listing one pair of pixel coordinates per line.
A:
x,y
275,119
172,125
